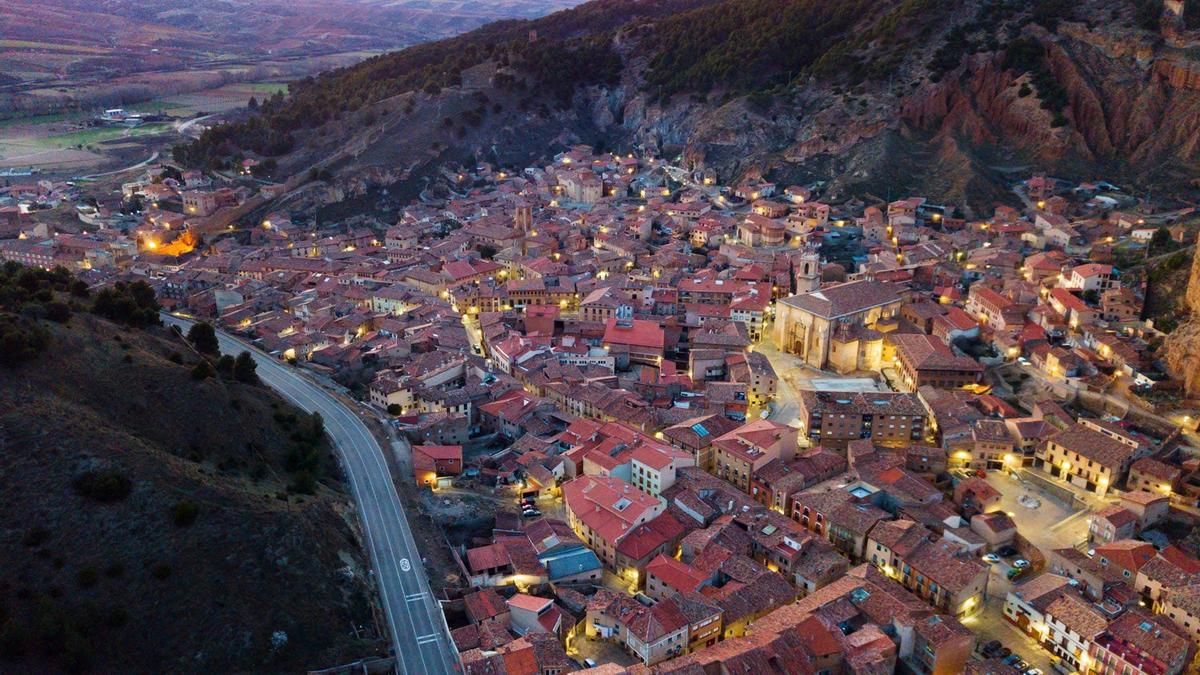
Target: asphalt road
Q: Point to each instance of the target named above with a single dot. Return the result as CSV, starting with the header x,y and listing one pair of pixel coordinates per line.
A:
x,y
419,634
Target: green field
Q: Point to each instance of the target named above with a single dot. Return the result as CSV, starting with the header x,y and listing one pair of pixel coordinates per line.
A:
x,y
29,44
87,137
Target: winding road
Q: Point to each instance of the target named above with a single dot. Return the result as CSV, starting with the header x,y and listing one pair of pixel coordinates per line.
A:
x,y
420,636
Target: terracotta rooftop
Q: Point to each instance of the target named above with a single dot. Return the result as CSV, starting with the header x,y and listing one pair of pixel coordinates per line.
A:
x,y
844,299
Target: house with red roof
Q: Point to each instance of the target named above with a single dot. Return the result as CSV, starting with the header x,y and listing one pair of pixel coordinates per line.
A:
x,y
603,511
637,340
1089,277
530,613
745,450
433,465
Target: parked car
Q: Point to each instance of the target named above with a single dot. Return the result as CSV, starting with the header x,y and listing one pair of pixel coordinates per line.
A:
x,y
1020,563
1091,553
991,558
1012,659
1014,573
1003,653
1032,671
991,648
531,513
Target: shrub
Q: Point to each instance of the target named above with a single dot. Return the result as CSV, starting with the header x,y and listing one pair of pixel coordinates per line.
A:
x,y
161,571
58,312
304,483
14,640
394,409
35,536
88,577
20,340
202,371
104,486
185,512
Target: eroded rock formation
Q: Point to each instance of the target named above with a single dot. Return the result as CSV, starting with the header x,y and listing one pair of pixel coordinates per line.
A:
x,y
1183,344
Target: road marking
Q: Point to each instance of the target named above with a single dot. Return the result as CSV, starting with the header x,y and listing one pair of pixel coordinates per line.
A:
x,y
405,565
358,451
413,597
426,639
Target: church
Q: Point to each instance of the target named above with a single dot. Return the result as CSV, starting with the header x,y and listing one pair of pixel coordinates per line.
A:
x,y
840,326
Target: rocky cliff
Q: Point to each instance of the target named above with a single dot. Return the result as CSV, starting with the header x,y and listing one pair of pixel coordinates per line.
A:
x,y
950,100
1182,347
1132,113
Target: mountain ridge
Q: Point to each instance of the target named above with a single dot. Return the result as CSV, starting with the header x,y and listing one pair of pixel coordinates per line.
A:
x,y
977,84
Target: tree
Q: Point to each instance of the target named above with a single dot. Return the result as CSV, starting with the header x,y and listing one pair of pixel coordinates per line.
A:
x,y
245,369
252,103
316,427
1160,241
394,409
132,304
204,338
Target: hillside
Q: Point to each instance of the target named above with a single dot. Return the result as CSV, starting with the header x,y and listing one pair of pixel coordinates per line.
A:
x,y
139,496
948,99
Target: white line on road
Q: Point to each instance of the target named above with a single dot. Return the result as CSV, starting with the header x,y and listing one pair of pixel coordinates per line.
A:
x,y
369,477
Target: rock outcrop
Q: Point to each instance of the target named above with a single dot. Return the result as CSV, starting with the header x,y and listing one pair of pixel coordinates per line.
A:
x,y
1182,347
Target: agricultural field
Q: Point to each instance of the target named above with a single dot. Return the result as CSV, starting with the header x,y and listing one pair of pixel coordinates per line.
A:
x,y
220,99
51,46
59,146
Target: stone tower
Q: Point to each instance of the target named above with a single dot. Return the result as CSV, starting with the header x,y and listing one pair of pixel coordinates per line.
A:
x,y
808,271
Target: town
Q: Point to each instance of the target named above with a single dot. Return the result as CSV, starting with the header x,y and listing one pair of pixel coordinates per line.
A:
x,y
717,428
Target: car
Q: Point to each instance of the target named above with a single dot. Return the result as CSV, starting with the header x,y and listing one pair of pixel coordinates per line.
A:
x,y
1014,573
1032,671
531,513
590,663
991,648
1020,664
1007,552
1012,659
1091,553
1003,653
1020,563
991,558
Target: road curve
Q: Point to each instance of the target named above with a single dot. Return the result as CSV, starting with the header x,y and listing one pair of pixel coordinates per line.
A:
x,y
419,633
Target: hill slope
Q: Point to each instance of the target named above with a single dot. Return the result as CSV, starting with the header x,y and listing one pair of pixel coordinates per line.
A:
x,y
957,93
146,524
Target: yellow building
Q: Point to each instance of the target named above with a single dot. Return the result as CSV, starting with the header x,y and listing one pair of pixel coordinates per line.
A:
x,y
838,325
